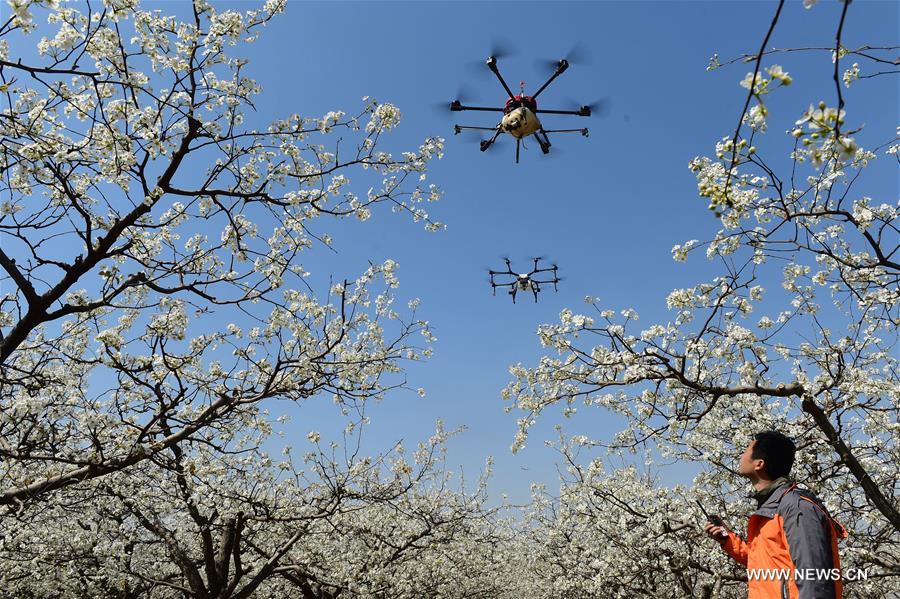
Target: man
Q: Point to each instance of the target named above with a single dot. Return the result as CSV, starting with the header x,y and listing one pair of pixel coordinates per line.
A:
x,y
791,548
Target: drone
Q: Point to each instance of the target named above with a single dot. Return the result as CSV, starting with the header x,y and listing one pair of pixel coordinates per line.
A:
x,y
524,281
520,113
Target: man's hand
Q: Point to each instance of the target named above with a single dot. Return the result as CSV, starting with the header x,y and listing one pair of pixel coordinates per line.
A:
x,y
718,532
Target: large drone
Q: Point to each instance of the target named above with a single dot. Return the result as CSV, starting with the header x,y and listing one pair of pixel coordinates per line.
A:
x,y
523,281
520,112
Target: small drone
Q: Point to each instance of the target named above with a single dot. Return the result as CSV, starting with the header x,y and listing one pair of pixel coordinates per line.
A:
x,y
520,113
523,282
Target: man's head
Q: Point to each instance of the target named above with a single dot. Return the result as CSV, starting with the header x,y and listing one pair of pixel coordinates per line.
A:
x,y
769,455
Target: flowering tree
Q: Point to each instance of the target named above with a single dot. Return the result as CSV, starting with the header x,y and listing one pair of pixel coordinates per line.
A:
x,y
332,524
815,356
140,217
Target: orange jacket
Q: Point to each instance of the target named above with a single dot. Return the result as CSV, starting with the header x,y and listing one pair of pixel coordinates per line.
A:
x,y
791,549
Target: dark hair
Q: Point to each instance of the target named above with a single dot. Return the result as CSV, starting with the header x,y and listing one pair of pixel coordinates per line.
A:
x,y
776,450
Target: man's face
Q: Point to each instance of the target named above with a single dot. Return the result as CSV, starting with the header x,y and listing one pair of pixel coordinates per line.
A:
x,y
747,466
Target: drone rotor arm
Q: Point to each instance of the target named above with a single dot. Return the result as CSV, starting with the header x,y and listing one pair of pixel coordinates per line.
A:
x,y
580,112
457,129
492,65
457,107
584,132
561,67
548,269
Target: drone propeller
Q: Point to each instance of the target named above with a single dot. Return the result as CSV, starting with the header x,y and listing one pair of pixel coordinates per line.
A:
x,y
599,107
578,54
499,49
507,261
463,95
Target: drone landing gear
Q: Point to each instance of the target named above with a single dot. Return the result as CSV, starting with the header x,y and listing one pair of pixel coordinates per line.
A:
x,y
486,143
544,143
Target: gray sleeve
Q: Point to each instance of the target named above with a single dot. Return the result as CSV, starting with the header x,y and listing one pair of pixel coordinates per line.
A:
x,y
808,533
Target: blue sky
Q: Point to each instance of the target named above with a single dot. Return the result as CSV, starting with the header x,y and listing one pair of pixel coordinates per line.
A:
x,y
607,209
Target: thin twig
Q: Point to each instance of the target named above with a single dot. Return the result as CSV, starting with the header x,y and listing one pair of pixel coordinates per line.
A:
x,y
837,78
750,95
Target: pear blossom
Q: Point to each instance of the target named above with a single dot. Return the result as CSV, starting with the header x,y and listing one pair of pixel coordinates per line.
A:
x,y
138,365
